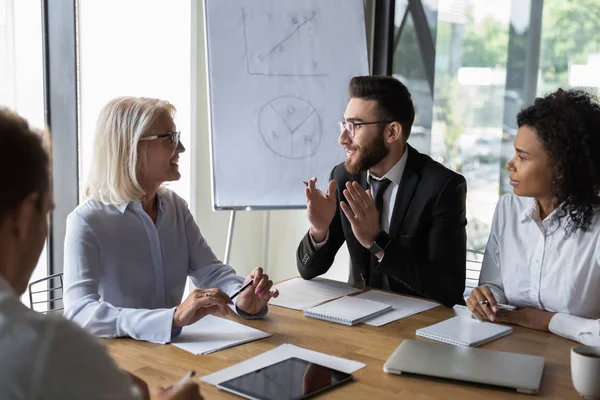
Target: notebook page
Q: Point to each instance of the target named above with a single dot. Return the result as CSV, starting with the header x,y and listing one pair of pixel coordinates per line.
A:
x,y
349,310
464,331
300,294
402,306
212,334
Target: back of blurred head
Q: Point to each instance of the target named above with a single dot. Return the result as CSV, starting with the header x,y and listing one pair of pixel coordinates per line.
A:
x,y
113,177
26,199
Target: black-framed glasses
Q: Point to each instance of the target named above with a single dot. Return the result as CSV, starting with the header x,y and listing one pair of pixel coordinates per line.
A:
x,y
173,137
351,127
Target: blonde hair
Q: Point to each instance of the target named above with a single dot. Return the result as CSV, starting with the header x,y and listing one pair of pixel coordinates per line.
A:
x,y
121,124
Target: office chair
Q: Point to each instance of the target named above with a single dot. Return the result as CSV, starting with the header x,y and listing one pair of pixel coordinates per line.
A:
x,y
49,296
474,260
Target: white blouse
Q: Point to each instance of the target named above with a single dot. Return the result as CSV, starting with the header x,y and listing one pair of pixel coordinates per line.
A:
x,y
125,274
533,263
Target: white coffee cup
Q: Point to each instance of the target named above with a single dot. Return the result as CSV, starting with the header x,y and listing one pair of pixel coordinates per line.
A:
x,y
585,370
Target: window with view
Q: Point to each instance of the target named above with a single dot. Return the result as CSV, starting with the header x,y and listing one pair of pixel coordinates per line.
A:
x,y
492,57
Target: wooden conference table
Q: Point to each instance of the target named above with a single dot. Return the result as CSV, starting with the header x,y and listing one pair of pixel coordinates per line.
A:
x,y
163,365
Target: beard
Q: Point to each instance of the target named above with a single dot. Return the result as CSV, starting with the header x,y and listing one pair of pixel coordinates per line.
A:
x,y
368,155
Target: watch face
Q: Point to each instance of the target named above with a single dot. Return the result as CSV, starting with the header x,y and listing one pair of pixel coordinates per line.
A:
x,y
382,240
375,248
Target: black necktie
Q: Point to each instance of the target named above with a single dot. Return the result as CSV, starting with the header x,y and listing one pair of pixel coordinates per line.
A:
x,y
377,189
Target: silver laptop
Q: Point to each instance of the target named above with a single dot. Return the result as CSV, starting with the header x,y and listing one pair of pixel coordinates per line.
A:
x,y
518,371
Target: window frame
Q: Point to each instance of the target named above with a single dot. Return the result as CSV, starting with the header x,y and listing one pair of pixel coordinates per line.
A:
x,y
59,37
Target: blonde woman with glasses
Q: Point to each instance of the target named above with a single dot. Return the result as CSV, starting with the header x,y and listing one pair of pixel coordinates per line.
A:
x,y
131,245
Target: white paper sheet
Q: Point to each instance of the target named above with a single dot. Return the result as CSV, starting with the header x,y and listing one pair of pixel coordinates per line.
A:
x,y
280,353
212,334
402,306
300,294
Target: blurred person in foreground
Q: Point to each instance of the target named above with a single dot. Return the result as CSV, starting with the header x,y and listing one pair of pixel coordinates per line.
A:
x,y
45,356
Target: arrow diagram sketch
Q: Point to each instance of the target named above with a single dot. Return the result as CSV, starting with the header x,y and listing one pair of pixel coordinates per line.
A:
x,y
282,43
290,127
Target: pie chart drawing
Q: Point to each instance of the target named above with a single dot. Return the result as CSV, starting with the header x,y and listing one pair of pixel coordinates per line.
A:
x,y
290,127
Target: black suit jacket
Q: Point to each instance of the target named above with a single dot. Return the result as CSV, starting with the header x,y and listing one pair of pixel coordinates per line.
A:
x,y
427,255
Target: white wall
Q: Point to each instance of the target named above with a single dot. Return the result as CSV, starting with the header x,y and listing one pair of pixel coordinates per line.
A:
x,y
144,53
284,229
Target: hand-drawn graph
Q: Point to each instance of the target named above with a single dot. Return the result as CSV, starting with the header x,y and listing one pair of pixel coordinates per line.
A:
x,y
282,43
290,126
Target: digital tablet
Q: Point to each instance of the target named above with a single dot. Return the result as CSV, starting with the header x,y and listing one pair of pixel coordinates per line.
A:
x,y
289,379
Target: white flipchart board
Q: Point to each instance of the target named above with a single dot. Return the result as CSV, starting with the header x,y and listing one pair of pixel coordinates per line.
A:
x,y
278,73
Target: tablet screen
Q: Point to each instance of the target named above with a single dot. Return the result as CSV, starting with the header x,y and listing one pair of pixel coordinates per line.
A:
x,y
292,378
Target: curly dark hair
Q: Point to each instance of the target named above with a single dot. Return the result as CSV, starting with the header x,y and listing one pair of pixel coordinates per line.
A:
x,y
567,123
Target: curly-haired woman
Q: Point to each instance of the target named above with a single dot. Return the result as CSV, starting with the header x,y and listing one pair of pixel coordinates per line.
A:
x,y
543,254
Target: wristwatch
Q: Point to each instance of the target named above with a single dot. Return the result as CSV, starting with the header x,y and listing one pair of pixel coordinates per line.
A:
x,y
382,240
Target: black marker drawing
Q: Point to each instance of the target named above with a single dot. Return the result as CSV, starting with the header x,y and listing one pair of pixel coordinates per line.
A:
x,y
280,44
290,127
289,49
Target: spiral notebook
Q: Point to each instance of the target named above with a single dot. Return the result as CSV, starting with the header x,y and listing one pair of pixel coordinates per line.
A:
x,y
464,331
347,310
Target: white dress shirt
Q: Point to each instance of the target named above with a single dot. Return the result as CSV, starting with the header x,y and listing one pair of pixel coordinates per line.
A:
x,y
389,200
389,196
533,263
125,275
48,357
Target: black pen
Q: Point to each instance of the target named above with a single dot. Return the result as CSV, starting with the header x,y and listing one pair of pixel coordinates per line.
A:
x,y
306,183
242,289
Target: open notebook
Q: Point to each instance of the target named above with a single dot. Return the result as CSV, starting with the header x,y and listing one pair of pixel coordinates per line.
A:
x,y
347,310
212,334
464,331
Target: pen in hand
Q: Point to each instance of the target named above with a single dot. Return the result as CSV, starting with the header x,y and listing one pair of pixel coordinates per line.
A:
x,y
250,282
500,306
306,184
183,381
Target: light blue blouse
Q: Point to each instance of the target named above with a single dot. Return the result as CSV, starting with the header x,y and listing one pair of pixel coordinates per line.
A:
x,y
124,275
